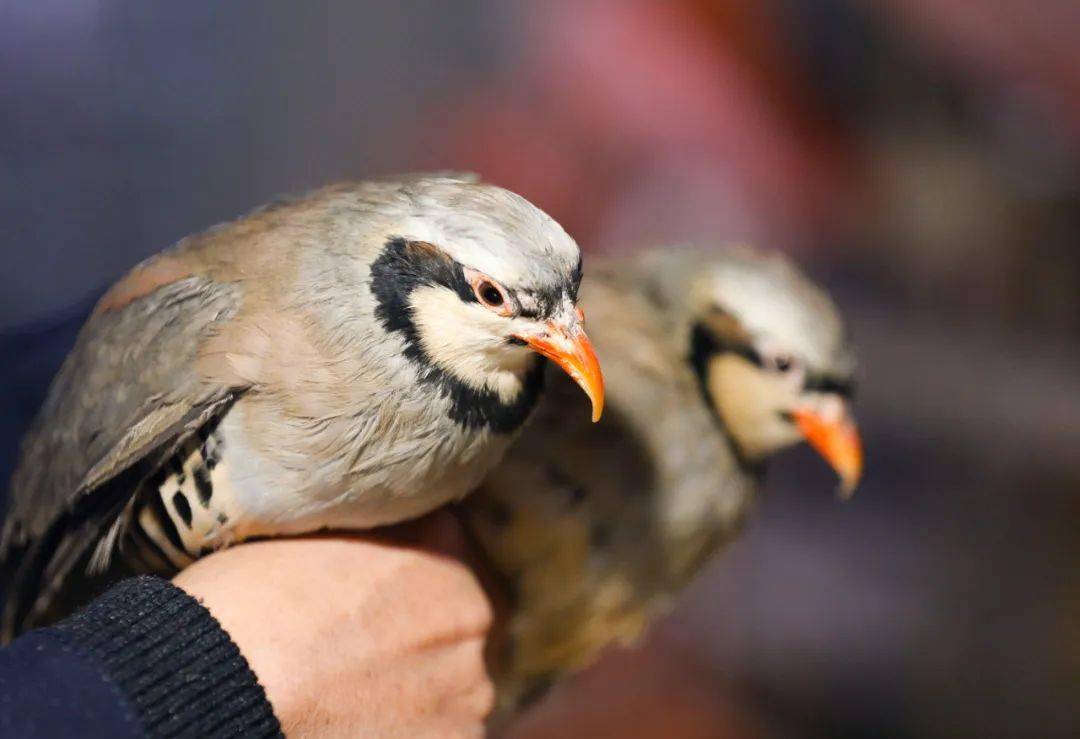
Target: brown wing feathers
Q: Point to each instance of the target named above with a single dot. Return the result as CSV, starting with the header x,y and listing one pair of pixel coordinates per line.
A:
x,y
98,438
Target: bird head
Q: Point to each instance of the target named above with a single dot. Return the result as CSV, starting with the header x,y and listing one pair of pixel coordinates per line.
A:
x,y
771,353
480,282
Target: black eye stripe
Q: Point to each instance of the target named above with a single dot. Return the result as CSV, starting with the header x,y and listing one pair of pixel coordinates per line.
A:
x,y
747,352
707,344
546,303
575,279
403,265
818,383
406,264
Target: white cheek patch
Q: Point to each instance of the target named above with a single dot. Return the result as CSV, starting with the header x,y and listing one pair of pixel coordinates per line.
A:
x,y
468,341
751,402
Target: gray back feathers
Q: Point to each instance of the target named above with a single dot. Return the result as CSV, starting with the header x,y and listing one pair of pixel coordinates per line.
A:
x,y
93,425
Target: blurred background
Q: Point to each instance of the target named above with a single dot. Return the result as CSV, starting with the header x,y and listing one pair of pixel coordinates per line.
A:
x,y
921,157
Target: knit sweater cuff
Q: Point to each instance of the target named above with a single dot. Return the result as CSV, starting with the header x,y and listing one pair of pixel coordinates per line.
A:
x,y
181,673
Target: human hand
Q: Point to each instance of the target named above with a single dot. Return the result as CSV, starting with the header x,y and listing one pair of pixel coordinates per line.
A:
x,y
375,636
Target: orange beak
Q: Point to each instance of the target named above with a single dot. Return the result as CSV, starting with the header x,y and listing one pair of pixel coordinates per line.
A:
x,y
569,347
837,440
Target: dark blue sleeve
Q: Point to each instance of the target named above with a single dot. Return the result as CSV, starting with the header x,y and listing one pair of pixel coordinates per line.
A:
x,y
143,660
49,690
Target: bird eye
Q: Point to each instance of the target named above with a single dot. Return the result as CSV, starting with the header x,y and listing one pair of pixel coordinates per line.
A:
x,y
785,364
489,294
